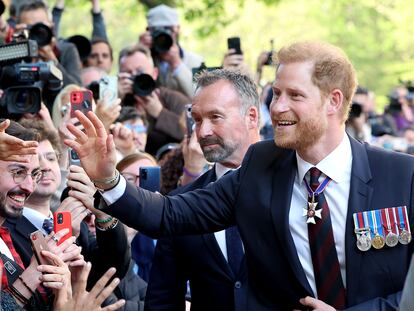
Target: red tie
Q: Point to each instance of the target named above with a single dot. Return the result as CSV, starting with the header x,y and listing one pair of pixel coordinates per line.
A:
x,y
329,284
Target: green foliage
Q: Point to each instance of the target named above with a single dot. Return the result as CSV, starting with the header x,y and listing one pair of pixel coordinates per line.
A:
x,y
376,34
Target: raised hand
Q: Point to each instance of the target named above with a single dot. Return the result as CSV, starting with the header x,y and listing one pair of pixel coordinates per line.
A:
x,y
95,148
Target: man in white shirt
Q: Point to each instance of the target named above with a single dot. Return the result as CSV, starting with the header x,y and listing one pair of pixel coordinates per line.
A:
x,y
273,206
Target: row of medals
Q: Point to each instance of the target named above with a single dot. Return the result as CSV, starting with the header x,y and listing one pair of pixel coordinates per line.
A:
x,y
365,241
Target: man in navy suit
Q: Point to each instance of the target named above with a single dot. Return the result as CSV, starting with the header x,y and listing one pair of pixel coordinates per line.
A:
x,y
270,196
203,259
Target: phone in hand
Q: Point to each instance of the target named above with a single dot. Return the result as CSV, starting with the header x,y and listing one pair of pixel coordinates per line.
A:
x,y
80,100
150,178
189,120
73,157
62,220
39,244
108,89
234,43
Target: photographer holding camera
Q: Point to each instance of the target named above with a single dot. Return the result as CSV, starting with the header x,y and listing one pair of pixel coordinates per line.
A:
x,y
162,106
173,62
34,16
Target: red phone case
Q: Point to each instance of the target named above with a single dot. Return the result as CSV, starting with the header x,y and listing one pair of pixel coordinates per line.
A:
x,y
80,100
62,220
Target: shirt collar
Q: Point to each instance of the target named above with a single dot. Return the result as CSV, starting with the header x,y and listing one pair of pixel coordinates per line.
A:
x,y
221,170
35,217
337,165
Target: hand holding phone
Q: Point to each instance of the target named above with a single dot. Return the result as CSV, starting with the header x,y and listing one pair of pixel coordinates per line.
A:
x,y
234,43
39,244
80,100
189,120
62,220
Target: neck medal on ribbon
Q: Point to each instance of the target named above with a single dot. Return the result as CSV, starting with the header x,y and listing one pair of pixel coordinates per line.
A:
x,y
310,211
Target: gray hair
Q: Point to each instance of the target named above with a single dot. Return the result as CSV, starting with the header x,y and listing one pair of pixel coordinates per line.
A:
x,y
243,84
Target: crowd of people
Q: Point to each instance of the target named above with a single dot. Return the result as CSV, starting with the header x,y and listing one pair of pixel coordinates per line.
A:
x,y
270,197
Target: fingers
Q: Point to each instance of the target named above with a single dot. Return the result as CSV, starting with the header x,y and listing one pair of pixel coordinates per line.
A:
x,y
99,286
115,306
54,259
107,291
4,125
94,126
81,280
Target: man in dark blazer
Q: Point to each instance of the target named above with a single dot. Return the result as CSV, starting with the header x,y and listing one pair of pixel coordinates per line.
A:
x,y
200,259
313,90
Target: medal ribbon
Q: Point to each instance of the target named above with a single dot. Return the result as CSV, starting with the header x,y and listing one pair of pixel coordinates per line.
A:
x,y
367,223
372,223
359,221
377,222
407,224
401,219
318,190
395,220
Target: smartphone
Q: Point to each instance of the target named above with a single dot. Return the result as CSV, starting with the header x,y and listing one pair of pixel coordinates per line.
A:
x,y
108,89
80,100
73,157
62,220
189,120
39,244
150,178
234,43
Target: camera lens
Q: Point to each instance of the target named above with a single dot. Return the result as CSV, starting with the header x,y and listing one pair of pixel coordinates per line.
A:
x,y
143,84
41,33
161,40
60,218
24,102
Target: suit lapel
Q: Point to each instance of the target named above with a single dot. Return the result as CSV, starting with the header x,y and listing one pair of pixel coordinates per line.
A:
x,y
360,196
283,180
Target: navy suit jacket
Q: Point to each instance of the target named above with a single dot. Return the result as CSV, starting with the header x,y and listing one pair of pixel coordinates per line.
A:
x,y
257,198
199,259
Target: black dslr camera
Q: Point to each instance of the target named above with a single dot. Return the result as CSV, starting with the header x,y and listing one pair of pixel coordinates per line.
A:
x,y
24,83
162,39
38,32
143,84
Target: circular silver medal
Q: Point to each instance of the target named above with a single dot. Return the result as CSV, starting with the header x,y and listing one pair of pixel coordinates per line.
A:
x,y
405,237
391,239
363,242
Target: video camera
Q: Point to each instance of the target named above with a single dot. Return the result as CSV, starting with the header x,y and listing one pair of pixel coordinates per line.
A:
x,y
25,83
162,39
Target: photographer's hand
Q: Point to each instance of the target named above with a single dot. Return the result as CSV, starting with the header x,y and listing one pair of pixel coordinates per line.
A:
x,y
124,84
123,138
145,39
172,57
236,62
151,103
46,53
108,112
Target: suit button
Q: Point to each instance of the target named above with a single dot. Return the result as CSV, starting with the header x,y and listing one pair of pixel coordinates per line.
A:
x,y
237,284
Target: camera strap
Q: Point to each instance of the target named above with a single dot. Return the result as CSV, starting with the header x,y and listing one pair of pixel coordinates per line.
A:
x,y
13,270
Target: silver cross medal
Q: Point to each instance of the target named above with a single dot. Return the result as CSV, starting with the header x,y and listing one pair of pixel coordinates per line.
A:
x,y
311,211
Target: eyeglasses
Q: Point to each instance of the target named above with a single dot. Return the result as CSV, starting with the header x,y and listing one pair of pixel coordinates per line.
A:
x,y
20,175
136,128
132,178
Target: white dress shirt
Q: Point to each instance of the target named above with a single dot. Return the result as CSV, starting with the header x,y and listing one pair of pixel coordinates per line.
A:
x,y
337,165
36,218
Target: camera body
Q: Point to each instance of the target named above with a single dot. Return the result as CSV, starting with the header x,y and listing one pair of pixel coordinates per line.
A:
x,y
24,83
162,39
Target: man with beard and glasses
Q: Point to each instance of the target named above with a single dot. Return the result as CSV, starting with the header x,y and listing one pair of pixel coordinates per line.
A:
x,y
225,109
20,285
309,206
108,249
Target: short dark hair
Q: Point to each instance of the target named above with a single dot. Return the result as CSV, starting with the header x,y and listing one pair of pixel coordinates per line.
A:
x,y
44,133
102,40
131,50
19,131
32,6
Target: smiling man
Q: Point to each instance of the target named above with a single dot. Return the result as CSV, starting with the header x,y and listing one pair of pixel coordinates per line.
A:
x,y
300,202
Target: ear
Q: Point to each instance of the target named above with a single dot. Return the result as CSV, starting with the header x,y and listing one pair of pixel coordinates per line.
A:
x,y
336,101
252,118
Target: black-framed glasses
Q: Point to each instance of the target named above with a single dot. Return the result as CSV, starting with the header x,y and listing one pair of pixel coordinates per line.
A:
x,y
132,178
20,175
